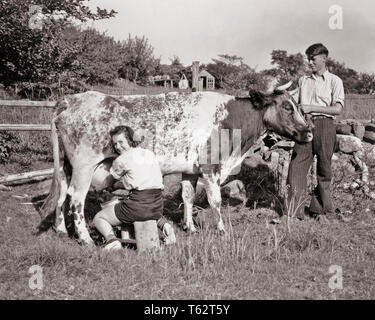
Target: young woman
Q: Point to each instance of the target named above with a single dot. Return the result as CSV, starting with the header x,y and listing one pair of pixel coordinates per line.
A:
x,y
141,175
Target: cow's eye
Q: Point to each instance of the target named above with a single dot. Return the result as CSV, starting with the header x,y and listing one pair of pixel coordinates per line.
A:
x,y
286,105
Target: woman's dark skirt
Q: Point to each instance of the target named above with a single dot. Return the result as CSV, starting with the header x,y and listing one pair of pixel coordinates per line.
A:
x,y
140,205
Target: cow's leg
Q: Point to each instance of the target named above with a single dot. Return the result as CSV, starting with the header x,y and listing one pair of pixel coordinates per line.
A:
x,y
212,186
77,190
60,219
188,183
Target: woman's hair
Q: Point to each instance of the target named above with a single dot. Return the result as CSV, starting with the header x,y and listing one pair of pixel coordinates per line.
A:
x,y
128,133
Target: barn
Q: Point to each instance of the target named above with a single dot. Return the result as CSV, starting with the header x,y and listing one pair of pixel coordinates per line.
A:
x,y
206,81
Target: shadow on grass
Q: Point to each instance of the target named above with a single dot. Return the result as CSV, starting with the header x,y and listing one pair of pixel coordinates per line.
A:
x,y
92,207
261,191
261,186
38,200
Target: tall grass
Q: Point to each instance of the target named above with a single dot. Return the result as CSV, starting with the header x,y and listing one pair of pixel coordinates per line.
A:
x,y
361,107
254,260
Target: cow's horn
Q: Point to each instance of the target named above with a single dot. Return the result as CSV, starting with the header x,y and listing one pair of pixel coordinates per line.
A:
x,y
293,92
271,85
284,86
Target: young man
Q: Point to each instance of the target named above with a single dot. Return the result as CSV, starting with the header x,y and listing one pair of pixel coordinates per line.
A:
x,y
321,97
140,173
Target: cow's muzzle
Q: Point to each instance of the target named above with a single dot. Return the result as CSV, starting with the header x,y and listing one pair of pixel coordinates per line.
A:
x,y
304,136
309,136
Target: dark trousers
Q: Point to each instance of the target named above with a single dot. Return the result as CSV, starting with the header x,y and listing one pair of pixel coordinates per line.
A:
x,y
322,145
140,205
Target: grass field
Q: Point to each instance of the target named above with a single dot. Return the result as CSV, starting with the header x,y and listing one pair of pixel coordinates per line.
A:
x,y
255,260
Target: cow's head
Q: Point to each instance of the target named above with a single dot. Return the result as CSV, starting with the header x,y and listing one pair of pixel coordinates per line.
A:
x,y
281,114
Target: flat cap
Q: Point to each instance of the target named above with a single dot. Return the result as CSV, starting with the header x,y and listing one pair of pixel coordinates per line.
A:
x,y
315,49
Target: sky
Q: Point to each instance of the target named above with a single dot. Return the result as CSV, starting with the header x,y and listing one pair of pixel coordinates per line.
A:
x,y
199,30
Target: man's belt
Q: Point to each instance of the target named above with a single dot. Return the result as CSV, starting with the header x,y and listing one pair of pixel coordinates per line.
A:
x,y
315,117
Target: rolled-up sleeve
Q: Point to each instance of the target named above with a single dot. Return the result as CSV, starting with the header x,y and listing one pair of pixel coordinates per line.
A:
x,y
296,92
338,94
118,168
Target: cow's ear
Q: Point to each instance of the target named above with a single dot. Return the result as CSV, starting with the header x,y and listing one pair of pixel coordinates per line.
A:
x,y
259,99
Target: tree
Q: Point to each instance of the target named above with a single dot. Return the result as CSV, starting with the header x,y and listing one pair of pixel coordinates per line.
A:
x,y
231,72
289,67
367,83
96,57
349,77
138,61
30,51
176,69
293,66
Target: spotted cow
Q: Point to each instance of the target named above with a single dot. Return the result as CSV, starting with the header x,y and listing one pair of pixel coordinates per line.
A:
x,y
185,130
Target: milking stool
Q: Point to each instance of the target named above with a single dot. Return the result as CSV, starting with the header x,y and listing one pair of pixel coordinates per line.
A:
x,y
142,233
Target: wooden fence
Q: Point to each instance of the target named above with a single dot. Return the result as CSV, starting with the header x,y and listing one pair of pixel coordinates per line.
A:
x,y
26,103
355,105
26,127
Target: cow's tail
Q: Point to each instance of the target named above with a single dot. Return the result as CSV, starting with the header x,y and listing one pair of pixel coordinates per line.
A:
x,y
48,209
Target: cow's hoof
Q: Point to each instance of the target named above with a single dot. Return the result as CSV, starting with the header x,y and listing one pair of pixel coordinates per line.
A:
x,y
222,233
190,229
170,237
88,246
61,229
194,231
86,242
37,231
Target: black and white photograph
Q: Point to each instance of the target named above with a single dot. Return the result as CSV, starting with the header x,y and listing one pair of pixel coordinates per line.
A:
x,y
188,155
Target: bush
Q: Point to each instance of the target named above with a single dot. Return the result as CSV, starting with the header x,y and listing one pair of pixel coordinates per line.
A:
x,y
7,144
